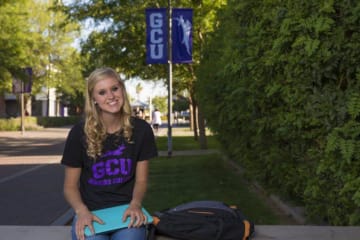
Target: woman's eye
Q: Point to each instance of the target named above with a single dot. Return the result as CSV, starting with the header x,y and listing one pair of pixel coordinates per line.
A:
x,y
114,89
102,92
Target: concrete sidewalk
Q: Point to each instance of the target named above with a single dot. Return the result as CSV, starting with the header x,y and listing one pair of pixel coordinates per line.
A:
x,y
262,232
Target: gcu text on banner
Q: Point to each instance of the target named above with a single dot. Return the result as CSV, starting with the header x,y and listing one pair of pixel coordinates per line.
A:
x,y
156,36
182,35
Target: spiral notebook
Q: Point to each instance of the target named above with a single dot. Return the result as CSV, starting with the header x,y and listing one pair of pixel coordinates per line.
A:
x,y
112,218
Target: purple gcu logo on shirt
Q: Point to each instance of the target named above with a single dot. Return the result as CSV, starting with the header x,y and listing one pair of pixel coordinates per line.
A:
x,y
111,168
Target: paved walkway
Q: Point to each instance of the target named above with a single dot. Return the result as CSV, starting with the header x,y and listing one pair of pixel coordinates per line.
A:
x,y
31,177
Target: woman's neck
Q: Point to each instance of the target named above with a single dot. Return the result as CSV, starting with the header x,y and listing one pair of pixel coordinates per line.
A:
x,y
111,123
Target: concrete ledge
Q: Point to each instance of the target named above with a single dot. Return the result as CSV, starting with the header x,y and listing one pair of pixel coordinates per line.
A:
x,y
34,232
262,232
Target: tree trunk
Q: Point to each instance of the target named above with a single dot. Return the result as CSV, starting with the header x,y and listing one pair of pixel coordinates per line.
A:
x,y
191,122
193,116
2,106
28,104
202,131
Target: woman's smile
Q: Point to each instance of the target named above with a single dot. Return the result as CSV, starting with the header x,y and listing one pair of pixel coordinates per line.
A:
x,y
108,95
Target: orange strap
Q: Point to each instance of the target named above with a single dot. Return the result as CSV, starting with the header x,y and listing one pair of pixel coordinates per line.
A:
x,y
246,229
156,220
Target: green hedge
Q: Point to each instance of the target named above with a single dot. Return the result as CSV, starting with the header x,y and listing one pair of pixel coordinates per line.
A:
x,y
280,84
35,123
58,121
14,124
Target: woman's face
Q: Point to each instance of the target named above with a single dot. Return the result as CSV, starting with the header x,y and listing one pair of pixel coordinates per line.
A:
x,y
108,95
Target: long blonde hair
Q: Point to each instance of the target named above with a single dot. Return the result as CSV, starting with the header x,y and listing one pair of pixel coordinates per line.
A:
x,y
95,130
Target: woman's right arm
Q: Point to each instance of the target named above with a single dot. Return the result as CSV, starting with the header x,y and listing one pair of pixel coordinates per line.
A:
x,y
71,189
72,196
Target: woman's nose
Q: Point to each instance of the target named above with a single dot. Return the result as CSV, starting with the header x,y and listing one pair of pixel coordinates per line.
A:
x,y
110,94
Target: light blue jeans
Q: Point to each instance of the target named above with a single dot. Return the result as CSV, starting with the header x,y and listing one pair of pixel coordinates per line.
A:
x,y
121,234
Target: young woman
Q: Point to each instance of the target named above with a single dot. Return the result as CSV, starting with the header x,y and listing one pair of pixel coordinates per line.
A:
x,y
106,159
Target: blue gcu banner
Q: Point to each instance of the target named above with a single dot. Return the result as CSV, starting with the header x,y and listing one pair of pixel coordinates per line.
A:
x,y
156,36
21,85
182,35
28,84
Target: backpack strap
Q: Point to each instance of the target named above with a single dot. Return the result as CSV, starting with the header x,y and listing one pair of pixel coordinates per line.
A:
x,y
221,227
151,234
246,230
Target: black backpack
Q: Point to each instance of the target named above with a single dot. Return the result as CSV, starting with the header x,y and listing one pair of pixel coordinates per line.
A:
x,y
201,220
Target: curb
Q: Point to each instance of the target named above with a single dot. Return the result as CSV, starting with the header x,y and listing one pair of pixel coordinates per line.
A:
x,y
291,211
188,152
64,219
295,212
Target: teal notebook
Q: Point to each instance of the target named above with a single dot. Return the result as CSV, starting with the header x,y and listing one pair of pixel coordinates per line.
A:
x,y
112,218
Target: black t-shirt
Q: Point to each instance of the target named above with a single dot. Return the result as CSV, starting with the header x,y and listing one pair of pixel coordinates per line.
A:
x,y
109,180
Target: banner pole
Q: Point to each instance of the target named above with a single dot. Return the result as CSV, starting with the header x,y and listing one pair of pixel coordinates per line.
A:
x,y
169,115
22,108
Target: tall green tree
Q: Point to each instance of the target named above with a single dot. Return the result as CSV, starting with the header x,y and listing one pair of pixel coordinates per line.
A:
x,y
118,39
160,103
33,35
58,62
138,89
14,45
14,38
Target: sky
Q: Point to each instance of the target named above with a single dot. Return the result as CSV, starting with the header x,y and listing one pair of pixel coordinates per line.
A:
x,y
149,89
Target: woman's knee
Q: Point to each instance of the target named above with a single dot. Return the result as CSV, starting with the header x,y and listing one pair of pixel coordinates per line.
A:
x,y
130,233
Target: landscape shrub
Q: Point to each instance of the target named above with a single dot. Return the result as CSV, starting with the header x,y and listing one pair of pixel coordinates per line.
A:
x,y
280,86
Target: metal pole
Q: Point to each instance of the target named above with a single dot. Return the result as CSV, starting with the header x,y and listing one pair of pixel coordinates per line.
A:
x,y
22,108
169,117
48,87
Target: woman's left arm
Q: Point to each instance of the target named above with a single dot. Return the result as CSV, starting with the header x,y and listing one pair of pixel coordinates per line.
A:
x,y
134,211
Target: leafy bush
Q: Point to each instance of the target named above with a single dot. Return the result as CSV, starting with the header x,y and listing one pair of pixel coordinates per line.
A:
x,y
280,85
58,121
14,124
35,123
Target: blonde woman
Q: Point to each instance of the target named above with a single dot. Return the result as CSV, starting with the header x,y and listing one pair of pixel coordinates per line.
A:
x,y
106,159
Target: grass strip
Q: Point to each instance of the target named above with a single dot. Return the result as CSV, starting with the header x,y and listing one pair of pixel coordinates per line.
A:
x,y
177,180
185,143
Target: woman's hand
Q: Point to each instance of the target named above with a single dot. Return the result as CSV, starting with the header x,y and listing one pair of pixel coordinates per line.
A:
x,y
85,218
137,217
